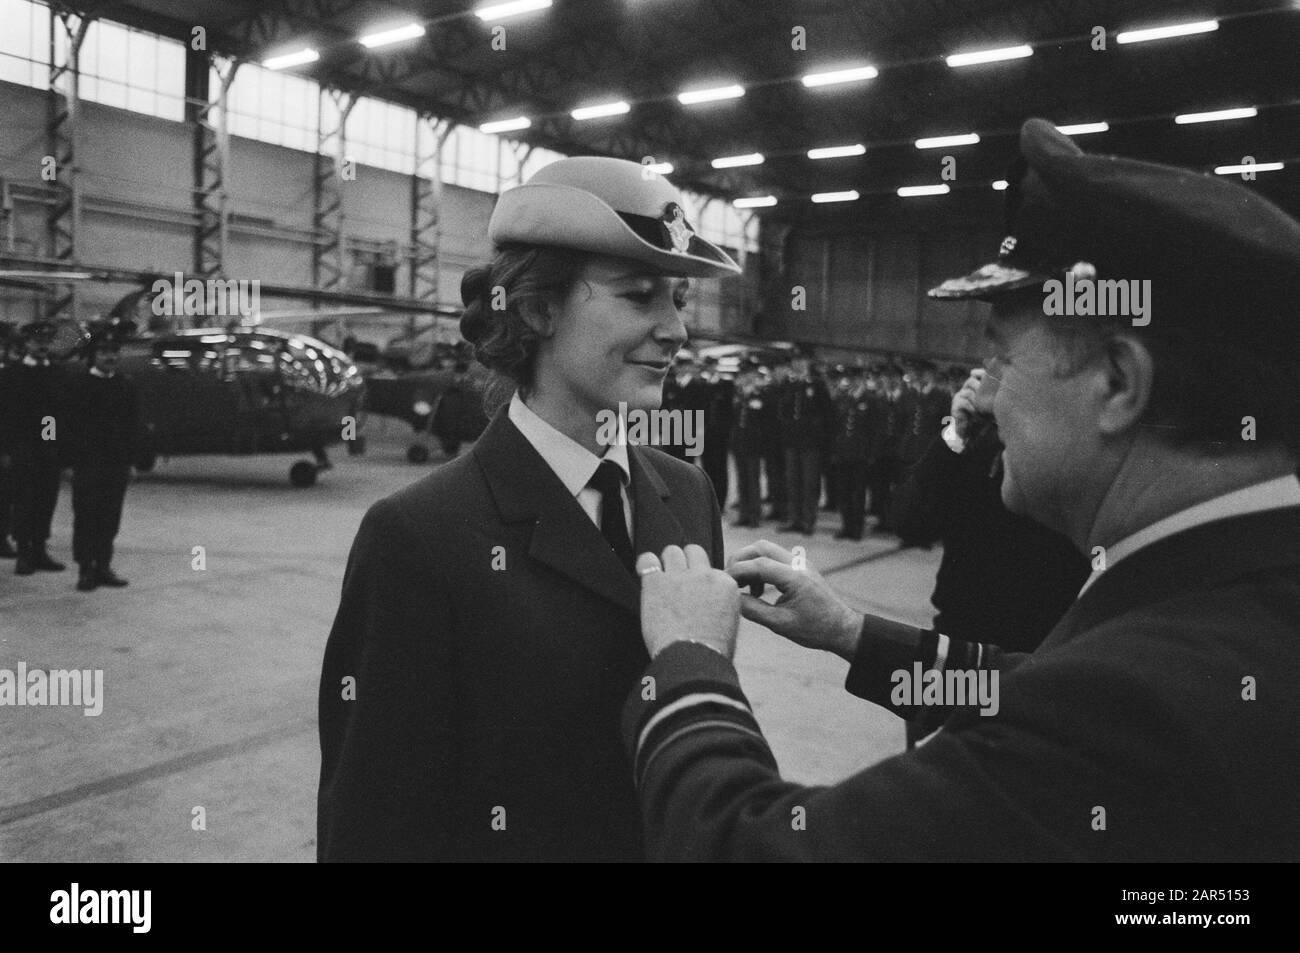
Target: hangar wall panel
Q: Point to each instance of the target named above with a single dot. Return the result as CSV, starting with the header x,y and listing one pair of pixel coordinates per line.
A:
x,y
136,179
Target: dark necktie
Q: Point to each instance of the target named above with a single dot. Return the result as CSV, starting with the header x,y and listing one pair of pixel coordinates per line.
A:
x,y
608,481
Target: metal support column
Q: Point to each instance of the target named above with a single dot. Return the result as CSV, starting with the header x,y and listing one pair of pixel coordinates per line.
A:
x,y
426,206
63,108
206,109
329,270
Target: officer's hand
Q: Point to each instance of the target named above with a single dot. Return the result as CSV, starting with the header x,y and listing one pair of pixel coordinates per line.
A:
x,y
963,402
806,612
684,597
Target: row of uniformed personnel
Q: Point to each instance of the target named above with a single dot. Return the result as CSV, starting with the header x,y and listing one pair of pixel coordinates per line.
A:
x,y
802,425
52,416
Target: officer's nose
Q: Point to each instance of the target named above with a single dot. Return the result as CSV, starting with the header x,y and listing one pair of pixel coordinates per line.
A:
x,y
670,330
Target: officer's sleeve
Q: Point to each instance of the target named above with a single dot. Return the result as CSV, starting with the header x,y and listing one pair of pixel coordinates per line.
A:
x,y
387,704
887,648
1017,786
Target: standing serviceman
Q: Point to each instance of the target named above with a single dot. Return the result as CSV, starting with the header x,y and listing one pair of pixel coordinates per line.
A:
x,y
885,427
10,354
104,415
32,394
851,442
770,388
718,419
747,444
805,413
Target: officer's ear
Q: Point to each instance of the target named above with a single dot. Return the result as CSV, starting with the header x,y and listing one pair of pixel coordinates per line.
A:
x,y
1125,382
540,315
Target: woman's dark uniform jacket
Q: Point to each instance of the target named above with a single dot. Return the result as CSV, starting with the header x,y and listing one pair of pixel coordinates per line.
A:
x,y
488,697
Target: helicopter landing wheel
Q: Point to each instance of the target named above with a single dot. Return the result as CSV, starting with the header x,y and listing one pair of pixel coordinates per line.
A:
x,y
357,447
417,453
302,473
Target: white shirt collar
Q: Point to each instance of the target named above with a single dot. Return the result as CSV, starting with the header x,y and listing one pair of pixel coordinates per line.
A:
x,y
96,372
1272,494
573,463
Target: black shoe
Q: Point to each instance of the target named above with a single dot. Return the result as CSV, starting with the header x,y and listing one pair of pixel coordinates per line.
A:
x,y
106,577
86,580
24,567
42,561
7,550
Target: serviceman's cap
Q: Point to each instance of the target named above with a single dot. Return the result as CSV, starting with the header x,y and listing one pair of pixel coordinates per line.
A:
x,y
1223,261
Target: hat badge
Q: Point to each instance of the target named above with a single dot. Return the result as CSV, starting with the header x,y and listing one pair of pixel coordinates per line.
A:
x,y
679,231
1008,246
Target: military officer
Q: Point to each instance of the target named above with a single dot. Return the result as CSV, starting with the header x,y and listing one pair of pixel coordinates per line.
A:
x,y
851,438
771,385
747,445
10,354
885,428
805,415
718,395
32,393
1161,437
103,421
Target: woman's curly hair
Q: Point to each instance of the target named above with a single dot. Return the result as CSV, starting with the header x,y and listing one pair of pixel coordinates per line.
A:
x,y
506,314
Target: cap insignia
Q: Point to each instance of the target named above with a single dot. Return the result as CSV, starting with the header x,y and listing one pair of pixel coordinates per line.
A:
x,y
679,230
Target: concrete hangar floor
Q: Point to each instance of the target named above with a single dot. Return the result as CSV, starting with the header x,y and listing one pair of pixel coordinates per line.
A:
x,y
210,676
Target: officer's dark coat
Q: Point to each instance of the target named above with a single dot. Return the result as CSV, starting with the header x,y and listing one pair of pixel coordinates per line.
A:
x,y
492,694
1139,730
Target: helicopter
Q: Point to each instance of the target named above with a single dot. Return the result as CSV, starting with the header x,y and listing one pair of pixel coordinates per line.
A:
x,y
424,376
243,391
221,390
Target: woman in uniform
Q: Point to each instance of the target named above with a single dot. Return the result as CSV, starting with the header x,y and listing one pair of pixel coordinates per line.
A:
x,y
488,630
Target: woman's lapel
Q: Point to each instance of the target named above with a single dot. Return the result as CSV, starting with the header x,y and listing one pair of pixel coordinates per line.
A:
x,y
526,490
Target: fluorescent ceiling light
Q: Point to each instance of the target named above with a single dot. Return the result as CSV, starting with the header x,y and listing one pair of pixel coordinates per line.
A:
x,y
756,201
693,96
1083,128
835,152
840,76
1248,167
499,11
940,142
605,109
908,191
1246,112
300,58
849,196
990,56
1000,185
396,35
506,125
731,162
1164,32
